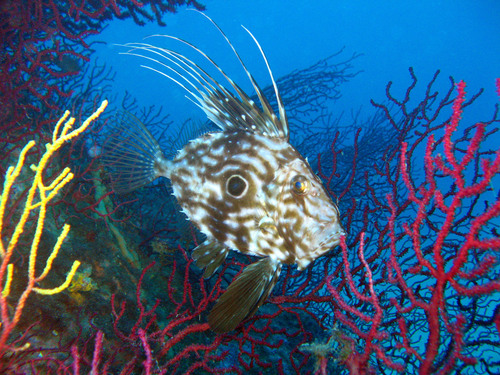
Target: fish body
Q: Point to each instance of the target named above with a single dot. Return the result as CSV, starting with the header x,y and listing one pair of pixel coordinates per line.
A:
x,y
238,188
245,187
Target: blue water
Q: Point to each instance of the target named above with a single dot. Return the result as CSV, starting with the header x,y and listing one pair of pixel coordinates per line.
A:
x,y
461,38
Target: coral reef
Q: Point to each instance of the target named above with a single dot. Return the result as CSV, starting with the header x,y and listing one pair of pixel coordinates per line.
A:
x,y
39,196
413,288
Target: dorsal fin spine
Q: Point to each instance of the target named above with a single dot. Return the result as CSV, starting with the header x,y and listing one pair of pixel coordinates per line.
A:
x,y
265,104
281,107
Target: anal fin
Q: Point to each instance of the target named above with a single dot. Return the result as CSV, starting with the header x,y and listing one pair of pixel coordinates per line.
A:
x,y
245,295
209,255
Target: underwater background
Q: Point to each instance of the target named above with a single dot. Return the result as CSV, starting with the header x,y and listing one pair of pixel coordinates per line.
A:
x,y
374,102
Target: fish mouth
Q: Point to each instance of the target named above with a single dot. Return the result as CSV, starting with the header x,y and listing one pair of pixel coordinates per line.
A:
x,y
327,236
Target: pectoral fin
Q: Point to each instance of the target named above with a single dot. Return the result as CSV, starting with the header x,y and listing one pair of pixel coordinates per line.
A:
x,y
209,255
245,295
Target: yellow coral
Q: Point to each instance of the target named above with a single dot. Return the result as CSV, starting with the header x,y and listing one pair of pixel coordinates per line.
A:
x,y
38,197
82,282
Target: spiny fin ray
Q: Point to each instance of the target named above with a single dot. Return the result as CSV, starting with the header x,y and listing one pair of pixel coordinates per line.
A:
x,y
222,107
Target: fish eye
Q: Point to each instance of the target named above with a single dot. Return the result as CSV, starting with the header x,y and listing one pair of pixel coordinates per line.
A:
x,y
236,186
299,185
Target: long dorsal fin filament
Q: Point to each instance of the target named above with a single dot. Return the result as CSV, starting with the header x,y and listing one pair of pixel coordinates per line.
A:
x,y
221,106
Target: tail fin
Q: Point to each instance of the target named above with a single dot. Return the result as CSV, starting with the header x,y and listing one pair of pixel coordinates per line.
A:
x,y
132,155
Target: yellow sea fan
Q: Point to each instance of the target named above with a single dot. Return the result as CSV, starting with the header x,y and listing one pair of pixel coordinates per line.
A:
x,y
37,200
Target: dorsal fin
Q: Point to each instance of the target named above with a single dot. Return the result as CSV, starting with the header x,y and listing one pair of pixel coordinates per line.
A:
x,y
265,103
227,111
188,130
